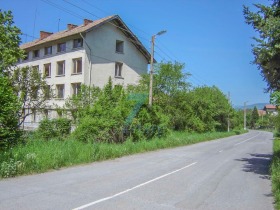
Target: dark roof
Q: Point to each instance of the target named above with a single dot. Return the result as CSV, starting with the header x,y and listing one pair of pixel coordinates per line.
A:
x,y
114,19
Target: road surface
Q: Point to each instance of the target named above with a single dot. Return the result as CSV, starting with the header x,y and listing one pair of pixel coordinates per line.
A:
x,y
229,173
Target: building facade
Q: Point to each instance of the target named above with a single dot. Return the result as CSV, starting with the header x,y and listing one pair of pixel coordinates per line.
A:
x,y
87,54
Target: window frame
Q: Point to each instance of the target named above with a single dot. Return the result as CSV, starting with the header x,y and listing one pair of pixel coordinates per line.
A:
x,y
49,70
47,51
118,69
58,67
58,89
120,46
76,43
76,88
75,66
60,49
36,54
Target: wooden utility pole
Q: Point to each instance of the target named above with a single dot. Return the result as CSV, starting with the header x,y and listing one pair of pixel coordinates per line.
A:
x,y
151,72
228,120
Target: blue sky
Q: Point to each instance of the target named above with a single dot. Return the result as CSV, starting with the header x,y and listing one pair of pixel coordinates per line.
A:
x,y
209,36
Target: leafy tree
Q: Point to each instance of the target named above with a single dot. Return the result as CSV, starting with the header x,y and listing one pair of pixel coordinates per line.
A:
x,y
254,117
266,21
210,109
9,55
8,113
32,91
170,87
10,40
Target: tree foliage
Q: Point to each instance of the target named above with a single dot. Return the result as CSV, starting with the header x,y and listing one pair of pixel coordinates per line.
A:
x,y
32,90
254,118
9,106
266,21
9,44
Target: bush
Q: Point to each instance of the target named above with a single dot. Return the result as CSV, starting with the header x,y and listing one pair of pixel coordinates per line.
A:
x,y
150,122
60,127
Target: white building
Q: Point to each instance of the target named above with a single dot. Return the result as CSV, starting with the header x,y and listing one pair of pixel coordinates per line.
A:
x,y
88,54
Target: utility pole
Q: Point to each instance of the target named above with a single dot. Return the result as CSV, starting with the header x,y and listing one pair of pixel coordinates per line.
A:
x,y
228,121
152,67
151,71
245,115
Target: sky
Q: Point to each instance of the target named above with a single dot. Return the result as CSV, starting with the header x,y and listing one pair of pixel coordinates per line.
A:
x,y
209,36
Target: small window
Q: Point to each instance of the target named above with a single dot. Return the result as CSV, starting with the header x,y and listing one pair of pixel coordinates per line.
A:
x,y
33,115
36,68
26,56
60,68
118,69
76,88
46,113
48,50
47,70
77,66
60,91
119,46
61,47
77,43
47,92
36,54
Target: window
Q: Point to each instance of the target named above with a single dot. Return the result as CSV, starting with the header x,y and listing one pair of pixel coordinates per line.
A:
x,y
48,50
36,68
77,43
61,47
46,113
119,46
33,115
25,58
60,68
36,54
118,69
47,92
47,70
76,88
60,91
77,66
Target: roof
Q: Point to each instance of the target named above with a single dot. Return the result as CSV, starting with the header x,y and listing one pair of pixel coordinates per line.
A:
x,y
261,112
88,27
269,106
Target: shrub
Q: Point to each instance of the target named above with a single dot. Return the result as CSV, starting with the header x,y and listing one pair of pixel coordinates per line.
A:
x,y
54,128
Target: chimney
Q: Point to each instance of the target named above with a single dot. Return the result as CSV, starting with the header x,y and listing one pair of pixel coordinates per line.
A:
x,y
71,26
44,34
87,21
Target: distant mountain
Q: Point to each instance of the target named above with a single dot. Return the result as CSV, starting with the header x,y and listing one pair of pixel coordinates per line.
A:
x,y
251,106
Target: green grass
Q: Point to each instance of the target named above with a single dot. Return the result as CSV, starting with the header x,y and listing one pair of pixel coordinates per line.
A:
x,y
37,156
275,172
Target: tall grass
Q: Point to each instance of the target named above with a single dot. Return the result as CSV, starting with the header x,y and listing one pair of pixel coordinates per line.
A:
x,y
275,172
36,156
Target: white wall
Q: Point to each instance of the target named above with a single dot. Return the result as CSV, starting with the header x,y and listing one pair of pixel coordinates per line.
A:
x,y
102,41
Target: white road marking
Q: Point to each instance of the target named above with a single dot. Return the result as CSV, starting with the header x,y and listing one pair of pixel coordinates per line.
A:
x,y
247,140
133,188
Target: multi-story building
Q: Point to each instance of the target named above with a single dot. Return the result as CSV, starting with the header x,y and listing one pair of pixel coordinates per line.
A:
x,y
86,54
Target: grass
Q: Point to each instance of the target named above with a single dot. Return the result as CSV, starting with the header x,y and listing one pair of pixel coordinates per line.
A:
x,y
275,172
37,156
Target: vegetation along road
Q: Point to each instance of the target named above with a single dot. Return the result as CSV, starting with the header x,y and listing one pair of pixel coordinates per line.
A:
x,y
229,173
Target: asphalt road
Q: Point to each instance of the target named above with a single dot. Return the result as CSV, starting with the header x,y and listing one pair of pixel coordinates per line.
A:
x,y
230,173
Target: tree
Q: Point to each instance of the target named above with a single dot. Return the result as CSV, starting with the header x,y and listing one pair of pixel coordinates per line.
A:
x,y
9,55
266,21
10,40
254,117
31,89
9,106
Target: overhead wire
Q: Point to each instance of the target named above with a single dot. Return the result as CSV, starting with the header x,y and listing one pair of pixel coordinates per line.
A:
x,y
81,17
